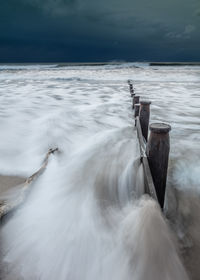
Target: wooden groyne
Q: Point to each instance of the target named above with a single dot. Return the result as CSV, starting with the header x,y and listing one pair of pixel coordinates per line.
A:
x,y
154,153
154,149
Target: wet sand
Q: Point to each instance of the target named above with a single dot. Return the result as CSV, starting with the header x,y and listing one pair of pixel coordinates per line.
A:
x,y
9,182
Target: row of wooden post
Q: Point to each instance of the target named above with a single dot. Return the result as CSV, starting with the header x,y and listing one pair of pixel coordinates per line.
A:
x,y
157,144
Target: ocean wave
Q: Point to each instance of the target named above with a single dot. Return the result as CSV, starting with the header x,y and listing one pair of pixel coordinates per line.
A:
x,y
26,66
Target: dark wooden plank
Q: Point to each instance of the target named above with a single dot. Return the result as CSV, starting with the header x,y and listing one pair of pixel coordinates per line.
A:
x,y
149,185
142,142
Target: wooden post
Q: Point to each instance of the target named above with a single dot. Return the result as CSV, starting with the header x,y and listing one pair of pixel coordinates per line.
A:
x,y
158,153
131,90
136,100
144,117
137,110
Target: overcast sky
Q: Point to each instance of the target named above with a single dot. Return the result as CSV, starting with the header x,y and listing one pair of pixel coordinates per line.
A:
x,y
103,30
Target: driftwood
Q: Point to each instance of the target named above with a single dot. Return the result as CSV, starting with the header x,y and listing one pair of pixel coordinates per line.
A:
x,y
6,206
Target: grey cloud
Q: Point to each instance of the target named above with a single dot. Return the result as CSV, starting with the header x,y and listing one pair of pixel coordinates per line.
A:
x,y
185,34
91,29
197,12
189,29
54,7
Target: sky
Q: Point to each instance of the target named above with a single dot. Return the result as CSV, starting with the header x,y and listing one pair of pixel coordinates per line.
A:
x,y
99,30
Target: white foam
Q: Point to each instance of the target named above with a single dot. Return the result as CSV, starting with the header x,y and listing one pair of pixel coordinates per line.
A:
x,y
80,212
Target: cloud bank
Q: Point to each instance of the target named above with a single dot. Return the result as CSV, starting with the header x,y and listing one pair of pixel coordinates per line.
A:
x,y
90,30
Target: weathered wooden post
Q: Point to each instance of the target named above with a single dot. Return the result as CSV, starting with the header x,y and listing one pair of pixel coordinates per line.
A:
x,y
158,153
144,117
131,90
137,110
136,100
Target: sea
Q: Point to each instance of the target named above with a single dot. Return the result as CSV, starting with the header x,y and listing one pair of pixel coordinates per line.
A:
x,y
86,216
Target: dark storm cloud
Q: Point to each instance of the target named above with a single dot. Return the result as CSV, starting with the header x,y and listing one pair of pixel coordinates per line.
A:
x,y
91,30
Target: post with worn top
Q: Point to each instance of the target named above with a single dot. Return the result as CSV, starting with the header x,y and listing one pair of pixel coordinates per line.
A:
x,y
144,117
136,100
158,153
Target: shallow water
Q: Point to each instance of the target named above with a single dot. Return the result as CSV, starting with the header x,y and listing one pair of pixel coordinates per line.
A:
x,y
85,217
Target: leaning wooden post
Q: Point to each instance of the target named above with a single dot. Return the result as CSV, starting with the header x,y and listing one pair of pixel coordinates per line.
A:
x,y
158,153
144,117
136,100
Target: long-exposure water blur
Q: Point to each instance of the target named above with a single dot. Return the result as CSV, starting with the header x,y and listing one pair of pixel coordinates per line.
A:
x,y
87,217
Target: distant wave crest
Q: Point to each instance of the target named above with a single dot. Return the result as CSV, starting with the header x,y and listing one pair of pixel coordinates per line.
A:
x,y
26,67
